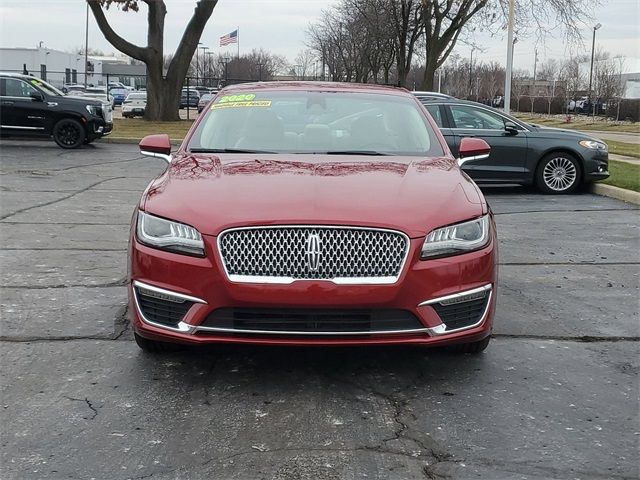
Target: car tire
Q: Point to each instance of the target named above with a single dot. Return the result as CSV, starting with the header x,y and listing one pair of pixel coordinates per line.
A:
x,y
558,173
153,346
68,133
473,348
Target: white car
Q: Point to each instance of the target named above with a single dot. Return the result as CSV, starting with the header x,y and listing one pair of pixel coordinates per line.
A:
x,y
134,104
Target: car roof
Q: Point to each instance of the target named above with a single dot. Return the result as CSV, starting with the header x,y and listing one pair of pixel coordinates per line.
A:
x,y
423,94
318,87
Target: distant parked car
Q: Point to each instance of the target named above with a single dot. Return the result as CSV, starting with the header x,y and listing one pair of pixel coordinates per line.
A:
x,y
189,98
119,85
204,100
555,160
135,104
119,95
99,93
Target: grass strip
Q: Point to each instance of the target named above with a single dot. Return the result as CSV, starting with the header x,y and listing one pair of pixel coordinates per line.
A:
x,y
623,148
624,175
581,123
138,128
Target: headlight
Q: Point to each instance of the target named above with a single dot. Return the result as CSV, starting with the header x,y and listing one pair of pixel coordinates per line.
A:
x,y
94,110
167,235
593,145
456,239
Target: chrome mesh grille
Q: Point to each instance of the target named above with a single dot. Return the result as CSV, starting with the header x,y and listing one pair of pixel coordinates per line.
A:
x,y
344,253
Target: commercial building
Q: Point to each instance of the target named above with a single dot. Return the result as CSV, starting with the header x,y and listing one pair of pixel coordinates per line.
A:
x,y
61,68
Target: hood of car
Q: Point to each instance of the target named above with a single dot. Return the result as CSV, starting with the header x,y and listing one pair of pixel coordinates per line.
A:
x,y
552,132
76,100
216,192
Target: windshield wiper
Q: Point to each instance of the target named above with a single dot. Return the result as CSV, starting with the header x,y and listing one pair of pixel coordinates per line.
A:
x,y
226,150
356,152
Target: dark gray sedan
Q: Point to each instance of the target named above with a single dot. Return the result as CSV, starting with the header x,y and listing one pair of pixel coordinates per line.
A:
x,y
555,160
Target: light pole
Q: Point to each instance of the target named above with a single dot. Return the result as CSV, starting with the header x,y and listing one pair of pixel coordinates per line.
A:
x,y
510,42
209,69
197,61
225,61
86,46
204,59
593,48
260,71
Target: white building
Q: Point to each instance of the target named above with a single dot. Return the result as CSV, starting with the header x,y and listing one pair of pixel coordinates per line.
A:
x,y
629,76
60,68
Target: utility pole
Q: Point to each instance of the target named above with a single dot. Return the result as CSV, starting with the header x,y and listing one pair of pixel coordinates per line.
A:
x,y
260,71
471,71
86,47
204,62
507,78
533,87
593,48
197,61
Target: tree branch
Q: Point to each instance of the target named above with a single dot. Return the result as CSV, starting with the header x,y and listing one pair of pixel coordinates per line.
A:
x,y
190,37
112,37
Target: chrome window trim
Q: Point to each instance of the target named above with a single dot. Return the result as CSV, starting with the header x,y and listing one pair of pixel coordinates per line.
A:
x,y
315,334
441,329
337,280
481,107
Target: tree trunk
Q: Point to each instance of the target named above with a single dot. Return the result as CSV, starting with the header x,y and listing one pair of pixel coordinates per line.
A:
x,y
163,94
429,73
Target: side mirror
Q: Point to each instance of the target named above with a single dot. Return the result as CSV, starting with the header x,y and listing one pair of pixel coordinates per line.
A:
x,y
158,146
473,149
36,97
511,128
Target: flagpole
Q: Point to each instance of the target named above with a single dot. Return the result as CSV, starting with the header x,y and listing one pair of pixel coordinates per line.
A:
x,y
238,43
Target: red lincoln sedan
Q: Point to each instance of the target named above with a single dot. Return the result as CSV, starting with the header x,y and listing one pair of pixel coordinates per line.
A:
x,y
313,214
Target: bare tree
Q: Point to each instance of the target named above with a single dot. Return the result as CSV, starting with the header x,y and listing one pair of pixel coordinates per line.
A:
x,y
163,92
305,60
520,86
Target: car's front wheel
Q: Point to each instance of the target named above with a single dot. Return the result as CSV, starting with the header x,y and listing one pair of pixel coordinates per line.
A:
x,y
68,133
153,346
558,173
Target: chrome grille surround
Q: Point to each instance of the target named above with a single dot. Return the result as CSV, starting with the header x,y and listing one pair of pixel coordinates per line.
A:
x,y
279,254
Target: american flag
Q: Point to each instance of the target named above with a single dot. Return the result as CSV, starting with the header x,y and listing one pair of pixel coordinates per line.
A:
x,y
229,38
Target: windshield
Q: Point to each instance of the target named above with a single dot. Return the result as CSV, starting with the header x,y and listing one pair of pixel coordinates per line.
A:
x,y
137,96
316,122
45,87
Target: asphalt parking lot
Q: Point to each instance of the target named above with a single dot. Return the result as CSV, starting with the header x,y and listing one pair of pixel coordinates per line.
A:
x,y
554,397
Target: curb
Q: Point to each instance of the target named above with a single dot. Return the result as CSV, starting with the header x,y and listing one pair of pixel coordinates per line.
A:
x,y
616,192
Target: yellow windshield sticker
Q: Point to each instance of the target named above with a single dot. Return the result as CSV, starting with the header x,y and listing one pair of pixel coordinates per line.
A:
x,y
36,83
236,104
245,97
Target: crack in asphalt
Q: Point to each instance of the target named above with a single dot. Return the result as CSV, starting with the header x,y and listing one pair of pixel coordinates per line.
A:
x,y
66,197
121,324
525,264
89,404
567,338
117,283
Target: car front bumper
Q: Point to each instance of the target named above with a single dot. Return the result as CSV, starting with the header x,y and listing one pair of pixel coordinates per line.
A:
x,y
203,282
596,164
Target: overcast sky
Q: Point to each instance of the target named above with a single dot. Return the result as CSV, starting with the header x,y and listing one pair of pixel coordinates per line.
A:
x,y
279,26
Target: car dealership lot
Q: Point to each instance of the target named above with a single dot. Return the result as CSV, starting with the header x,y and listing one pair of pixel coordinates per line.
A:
x,y
554,396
